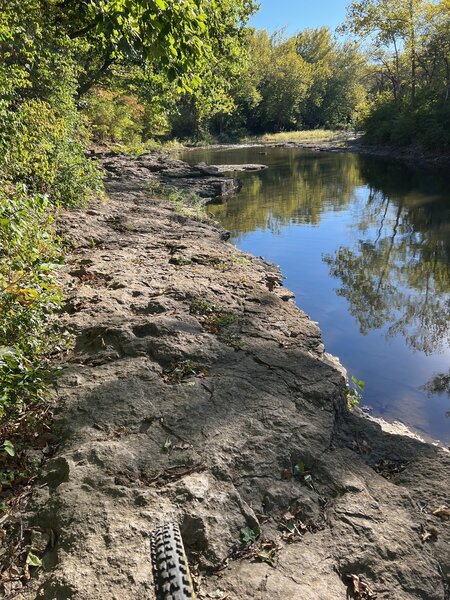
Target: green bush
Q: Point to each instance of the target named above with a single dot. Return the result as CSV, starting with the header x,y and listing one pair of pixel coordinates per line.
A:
x,y
43,165
29,298
426,124
114,117
47,152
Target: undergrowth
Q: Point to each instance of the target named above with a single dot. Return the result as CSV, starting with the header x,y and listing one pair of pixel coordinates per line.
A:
x,y
43,167
29,337
187,203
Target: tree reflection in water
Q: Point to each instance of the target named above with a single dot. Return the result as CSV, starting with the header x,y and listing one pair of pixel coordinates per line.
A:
x,y
438,384
398,274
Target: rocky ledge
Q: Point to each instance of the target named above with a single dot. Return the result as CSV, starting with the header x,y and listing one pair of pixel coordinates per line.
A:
x,y
209,182
198,391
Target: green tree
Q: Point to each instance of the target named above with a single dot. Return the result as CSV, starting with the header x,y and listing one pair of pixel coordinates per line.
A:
x,y
409,100
283,80
392,24
338,74
174,36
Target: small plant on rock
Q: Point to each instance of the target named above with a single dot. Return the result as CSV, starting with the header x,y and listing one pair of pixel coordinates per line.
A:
x,y
354,392
177,372
187,203
212,316
250,535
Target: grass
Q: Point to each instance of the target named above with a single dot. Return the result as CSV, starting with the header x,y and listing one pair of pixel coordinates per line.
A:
x,y
299,137
138,148
186,203
303,137
212,316
309,136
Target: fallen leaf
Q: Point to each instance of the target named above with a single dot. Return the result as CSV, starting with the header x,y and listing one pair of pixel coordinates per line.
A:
x,y
441,511
33,560
356,583
429,533
286,474
361,588
267,556
287,516
262,518
183,446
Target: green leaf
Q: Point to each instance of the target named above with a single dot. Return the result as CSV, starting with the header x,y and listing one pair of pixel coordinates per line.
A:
x,y
167,445
33,560
299,469
9,448
161,4
249,535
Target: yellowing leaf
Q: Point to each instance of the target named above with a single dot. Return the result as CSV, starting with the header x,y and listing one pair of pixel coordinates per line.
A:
x,y
33,560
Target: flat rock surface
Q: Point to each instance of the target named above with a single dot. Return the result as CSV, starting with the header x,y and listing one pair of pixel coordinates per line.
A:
x,y
197,391
214,169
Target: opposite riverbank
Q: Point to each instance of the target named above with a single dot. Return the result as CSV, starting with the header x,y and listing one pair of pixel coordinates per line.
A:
x,y
414,155
198,391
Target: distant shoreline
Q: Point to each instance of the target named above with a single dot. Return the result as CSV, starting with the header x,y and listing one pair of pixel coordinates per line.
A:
x,y
409,154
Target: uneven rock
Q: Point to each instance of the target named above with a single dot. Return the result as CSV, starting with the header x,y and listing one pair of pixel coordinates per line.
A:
x,y
209,183
198,391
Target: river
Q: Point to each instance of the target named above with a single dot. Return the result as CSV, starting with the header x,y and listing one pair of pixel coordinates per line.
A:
x,y
364,243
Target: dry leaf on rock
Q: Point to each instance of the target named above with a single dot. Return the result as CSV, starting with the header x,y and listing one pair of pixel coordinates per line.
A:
x,y
361,588
268,553
286,474
429,533
441,511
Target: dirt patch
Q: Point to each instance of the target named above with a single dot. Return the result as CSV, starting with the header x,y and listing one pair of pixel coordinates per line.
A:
x,y
204,395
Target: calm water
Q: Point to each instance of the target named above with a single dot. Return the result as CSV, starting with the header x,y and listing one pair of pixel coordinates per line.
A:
x,y
364,244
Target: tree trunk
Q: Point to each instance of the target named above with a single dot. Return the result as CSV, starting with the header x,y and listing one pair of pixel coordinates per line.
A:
x,y
93,78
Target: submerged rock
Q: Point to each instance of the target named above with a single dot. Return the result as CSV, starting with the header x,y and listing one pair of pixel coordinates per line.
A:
x,y
220,169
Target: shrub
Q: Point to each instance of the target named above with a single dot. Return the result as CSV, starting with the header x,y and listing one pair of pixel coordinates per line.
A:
x,y
47,152
43,165
426,124
114,117
29,298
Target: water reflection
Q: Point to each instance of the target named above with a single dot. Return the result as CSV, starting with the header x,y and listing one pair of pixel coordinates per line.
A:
x,y
298,189
398,274
381,232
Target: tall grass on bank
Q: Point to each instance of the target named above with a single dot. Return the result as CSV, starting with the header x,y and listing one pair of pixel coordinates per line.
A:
x,y
187,203
301,137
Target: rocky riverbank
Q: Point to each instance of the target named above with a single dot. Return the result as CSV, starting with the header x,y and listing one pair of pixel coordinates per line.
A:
x,y
198,391
209,182
410,154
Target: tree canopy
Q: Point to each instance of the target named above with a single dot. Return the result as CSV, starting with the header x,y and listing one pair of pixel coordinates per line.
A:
x,y
409,48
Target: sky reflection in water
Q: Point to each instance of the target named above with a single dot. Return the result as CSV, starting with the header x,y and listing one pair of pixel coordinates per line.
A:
x,y
364,244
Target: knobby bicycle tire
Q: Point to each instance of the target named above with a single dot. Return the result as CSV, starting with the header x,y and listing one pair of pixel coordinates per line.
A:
x,y
170,566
